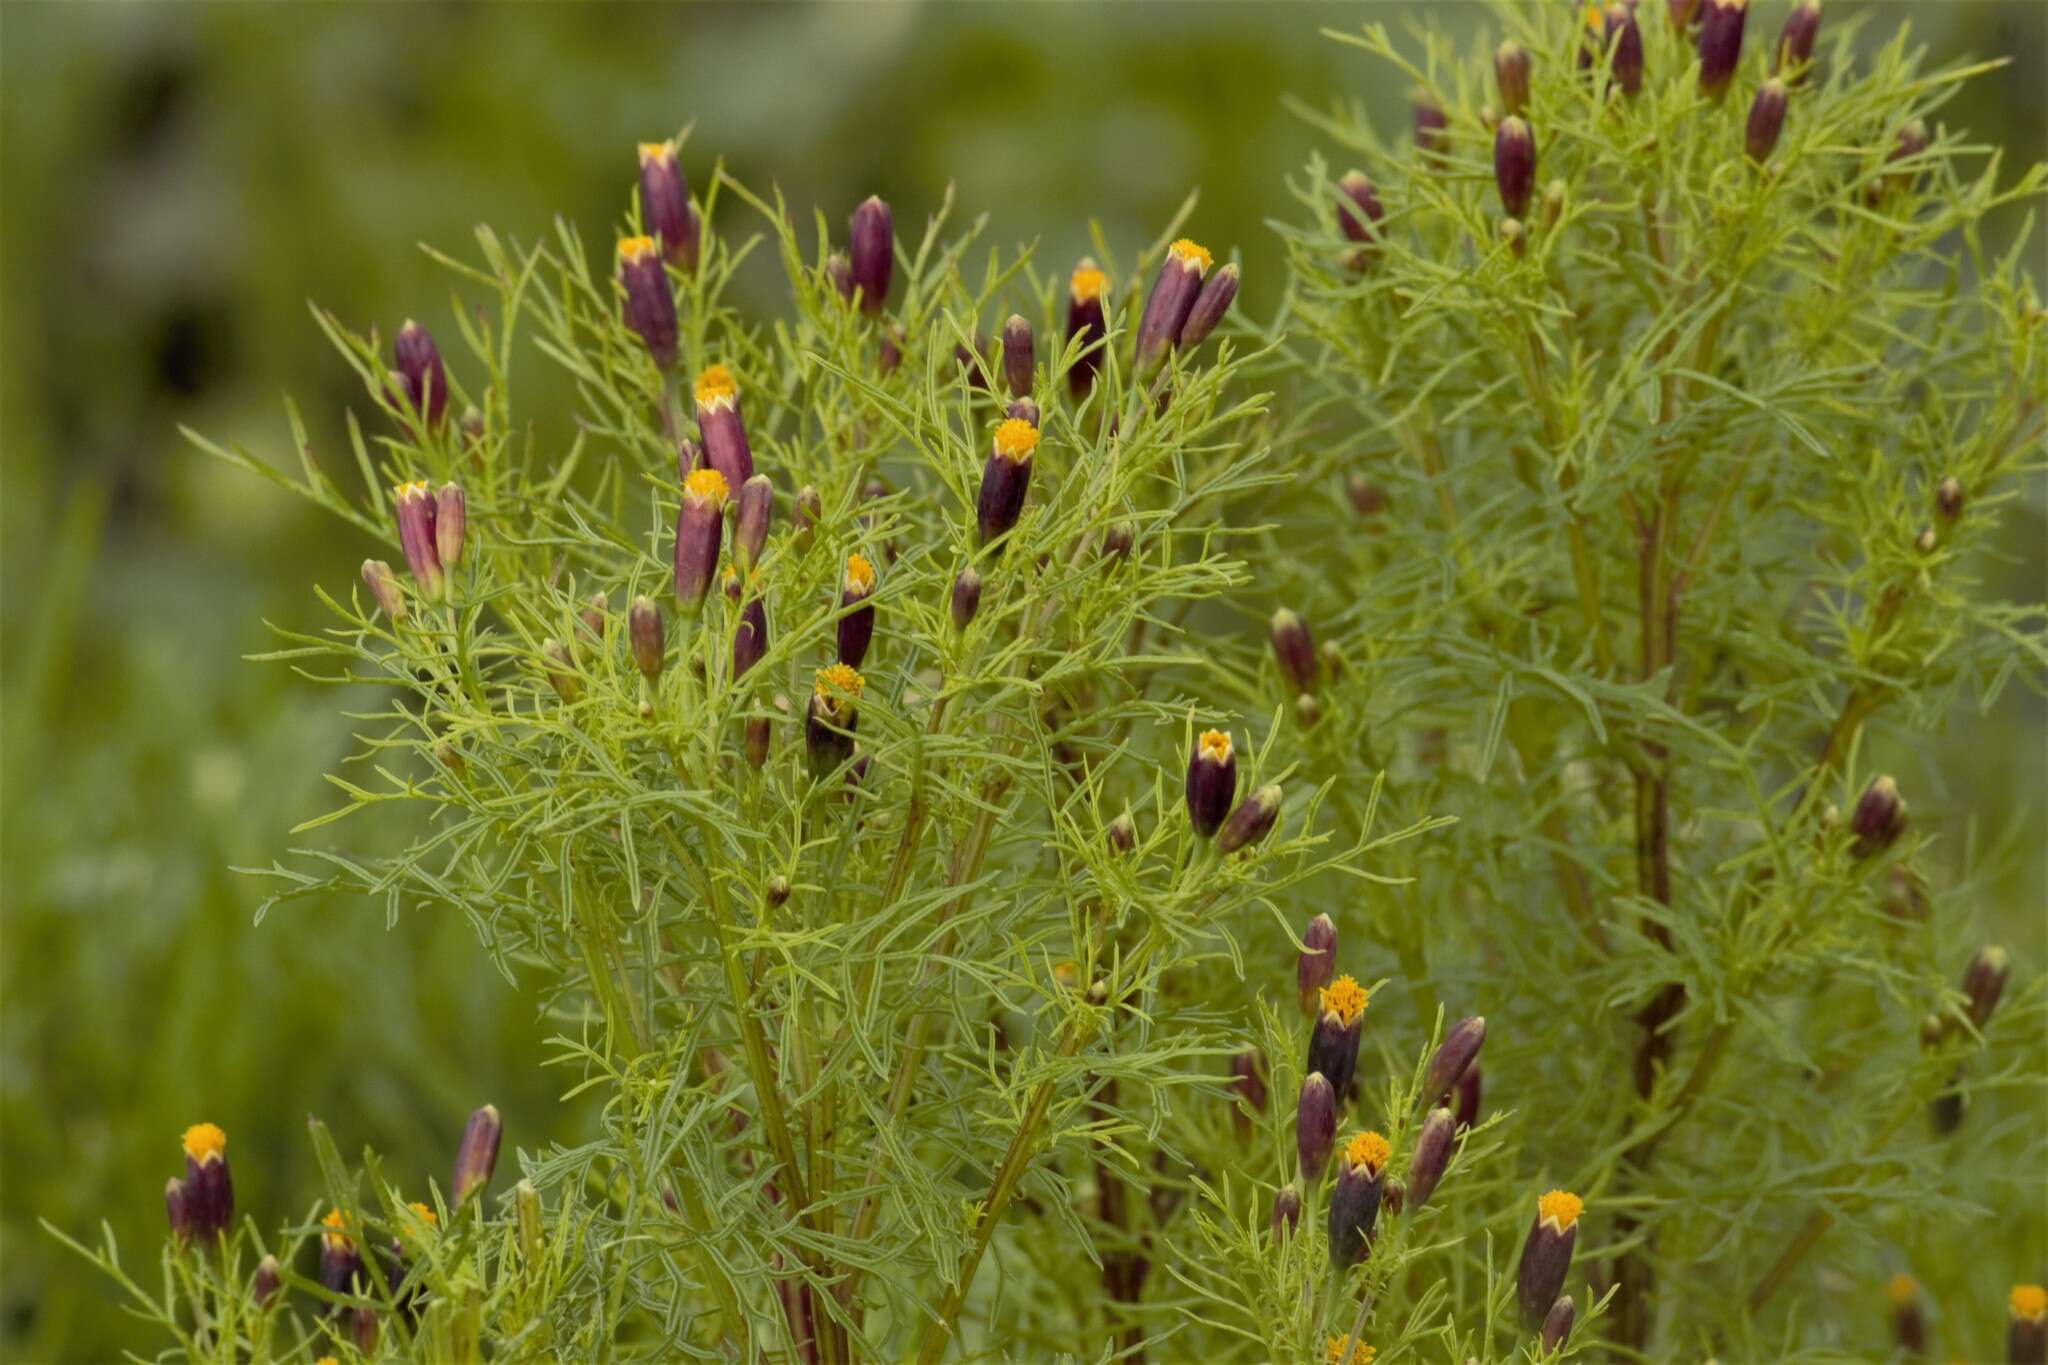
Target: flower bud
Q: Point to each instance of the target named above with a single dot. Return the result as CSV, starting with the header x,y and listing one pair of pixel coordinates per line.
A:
x,y
857,623
265,1283
561,671
1317,963
1118,540
1909,1324
384,588
1721,24
966,598
341,1265
1453,1055
1019,357
421,375
1286,1211
1123,833
1315,1124
729,583
1948,498
2026,1333
1212,782
871,253
1173,298
1005,479
209,1188
808,511
177,1209
415,510
1464,1097
1513,236
1085,289
700,524
718,420
1294,649
645,632
476,1155
1945,1111
1210,306
973,362
665,208
1514,165
757,736
1794,54
1359,212
1251,821
1934,1030
648,308
1248,1084
749,638
1022,410
750,526
1432,129
1766,121
1879,818
1984,981
1393,1196
1511,74
1333,1044
1625,39
1557,1323
833,717
1368,499
450,518
1432,1154
840,272
1547,1254
1355,1200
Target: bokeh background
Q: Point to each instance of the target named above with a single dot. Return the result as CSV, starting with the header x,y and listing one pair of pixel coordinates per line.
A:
x,y
179,182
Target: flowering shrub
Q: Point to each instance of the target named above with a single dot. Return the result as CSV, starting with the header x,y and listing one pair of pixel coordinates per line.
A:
x,y
868,736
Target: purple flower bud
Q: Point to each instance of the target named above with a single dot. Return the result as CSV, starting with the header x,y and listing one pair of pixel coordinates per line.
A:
x,y
645,631
1210,306
421,373
1085,320
1453,1056
209,1190
1984,982
1432,129
648,308
476,1155
810,508
750,526
176,1209
590,640
1005,479
1315,1124
757,740
857,624
1721,24
729,583
265,1283
749,637
1514,165
1173,298
1333,1043
1317,963
966,598
1557,1324
1794,55
415,509
1212,782
700,523
839,270
718,421
1909,1323
1358,216
451,514
1294,649
1766,121
1464,1097
872,253
2026,1333
1511,74
833,717
1432,1154
1879,818
1248,1083
1251,821
1019,357
1118,540
1948,498
341,1265
1355,1200
1286,1211
1911,142
384,589
665,208
1547,1254
1123,833
560,668
1625,40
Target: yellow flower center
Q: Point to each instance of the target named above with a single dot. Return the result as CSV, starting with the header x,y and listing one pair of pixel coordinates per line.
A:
x,y
2029,1301
1560,1209
1344,998
1088,282
205,1142
1214,746
1900,1289
1345,1351
1016,439
334,1222
860,575
427,1215
1191,253
1368,1149
840,680
705,485
657,151
716,385
634,250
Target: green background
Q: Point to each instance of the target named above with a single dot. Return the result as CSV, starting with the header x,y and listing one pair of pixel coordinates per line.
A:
x,y
181,180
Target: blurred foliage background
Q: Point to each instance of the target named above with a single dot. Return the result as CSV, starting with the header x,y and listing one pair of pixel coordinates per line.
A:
x,y
182,179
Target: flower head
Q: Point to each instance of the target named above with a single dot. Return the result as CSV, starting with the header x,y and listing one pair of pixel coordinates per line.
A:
x,y
1016,439
706,485
2029,1301
1192,253
1346,1351
1368,1149
205,1142
715,387
1088,283
1559,1209
1344,998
